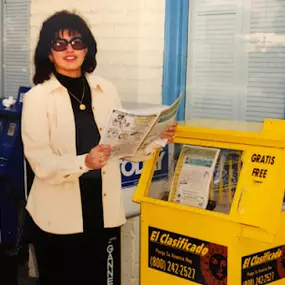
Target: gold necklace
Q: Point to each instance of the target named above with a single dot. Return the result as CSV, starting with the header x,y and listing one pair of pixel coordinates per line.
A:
x,y
82,106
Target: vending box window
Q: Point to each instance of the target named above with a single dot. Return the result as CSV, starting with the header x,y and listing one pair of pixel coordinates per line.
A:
x,y
218,218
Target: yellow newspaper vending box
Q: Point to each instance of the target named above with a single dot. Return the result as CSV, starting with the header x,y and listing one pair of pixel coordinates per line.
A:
x,y
218,219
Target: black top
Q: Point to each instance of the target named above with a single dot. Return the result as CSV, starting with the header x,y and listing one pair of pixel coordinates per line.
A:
x,y
87,137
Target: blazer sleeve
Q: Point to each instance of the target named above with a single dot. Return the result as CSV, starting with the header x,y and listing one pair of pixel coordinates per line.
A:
x,y
45,163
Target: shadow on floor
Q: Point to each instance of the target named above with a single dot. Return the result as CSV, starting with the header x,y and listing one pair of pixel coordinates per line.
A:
x,y
24,278
14,269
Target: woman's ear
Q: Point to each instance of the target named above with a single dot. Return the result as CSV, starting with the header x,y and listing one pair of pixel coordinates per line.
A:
x,y
50,58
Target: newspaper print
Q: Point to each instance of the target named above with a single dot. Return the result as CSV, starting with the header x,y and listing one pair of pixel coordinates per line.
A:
x,y
193,175
130,133
125,132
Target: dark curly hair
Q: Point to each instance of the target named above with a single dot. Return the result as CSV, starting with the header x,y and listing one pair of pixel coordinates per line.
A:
x,y
52,27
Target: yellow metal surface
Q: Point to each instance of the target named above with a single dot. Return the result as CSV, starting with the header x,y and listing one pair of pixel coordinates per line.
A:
x,y
251,238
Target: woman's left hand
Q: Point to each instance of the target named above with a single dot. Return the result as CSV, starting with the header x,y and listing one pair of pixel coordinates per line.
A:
x,y
169,133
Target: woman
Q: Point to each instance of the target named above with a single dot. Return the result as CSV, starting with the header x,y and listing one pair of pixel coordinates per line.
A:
x,y
75,200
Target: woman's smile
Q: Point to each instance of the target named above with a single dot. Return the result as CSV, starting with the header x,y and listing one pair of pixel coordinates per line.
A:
x,y
70,58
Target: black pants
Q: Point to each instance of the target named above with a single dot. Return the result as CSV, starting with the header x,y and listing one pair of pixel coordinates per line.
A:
x,y
80,259
8,266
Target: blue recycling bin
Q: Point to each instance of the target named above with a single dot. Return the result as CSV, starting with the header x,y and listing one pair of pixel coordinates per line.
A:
x,y
12,181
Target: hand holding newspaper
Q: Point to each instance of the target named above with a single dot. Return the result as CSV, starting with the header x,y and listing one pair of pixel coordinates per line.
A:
x,y
132,133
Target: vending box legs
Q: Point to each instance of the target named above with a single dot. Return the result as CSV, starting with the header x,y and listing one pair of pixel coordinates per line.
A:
x,y
241,240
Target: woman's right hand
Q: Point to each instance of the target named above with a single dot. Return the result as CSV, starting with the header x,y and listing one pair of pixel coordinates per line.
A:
x,y
98,156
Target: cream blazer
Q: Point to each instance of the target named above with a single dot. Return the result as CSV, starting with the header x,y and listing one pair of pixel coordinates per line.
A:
x,y
48,133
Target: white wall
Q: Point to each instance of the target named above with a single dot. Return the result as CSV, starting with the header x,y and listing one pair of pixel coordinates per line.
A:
x,y
130,36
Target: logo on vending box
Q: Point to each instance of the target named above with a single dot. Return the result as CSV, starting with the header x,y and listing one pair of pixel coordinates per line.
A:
x,y
264,267
131,171
214,265
195,260
281,263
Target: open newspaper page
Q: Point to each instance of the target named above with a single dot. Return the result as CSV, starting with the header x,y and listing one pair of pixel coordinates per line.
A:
x,y
130,132
193,175
166,118
125,131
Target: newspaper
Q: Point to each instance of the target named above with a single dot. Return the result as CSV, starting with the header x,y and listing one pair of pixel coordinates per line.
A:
x,y
132,132
193,176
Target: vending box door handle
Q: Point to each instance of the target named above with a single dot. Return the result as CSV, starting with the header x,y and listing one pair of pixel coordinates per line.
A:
x,y
239,209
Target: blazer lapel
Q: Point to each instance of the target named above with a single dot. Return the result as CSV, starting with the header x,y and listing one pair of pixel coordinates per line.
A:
x,y
100,103
65,123
98,108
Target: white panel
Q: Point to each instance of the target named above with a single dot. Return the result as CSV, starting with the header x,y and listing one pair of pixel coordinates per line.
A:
x,y
236,59
266,60
212,58
16,45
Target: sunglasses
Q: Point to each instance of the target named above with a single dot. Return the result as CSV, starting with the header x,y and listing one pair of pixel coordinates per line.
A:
x,y
62,44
